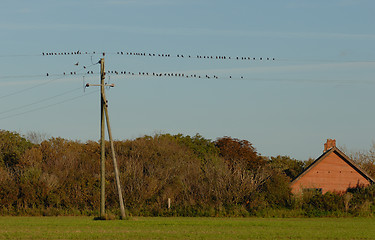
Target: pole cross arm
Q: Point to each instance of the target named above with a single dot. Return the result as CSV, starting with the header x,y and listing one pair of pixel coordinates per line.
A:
x,y
99,85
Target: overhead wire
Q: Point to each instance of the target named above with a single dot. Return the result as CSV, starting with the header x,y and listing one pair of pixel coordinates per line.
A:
x,y
59,77
40,101
50,105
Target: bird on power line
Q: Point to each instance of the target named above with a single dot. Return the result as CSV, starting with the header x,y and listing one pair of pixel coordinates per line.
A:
x,y
76,63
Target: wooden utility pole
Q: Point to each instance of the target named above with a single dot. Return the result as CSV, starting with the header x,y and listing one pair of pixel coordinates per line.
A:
x,y
102,140
115,168
105,118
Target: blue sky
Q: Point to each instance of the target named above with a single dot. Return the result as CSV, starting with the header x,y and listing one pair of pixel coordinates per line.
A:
x,y
320,85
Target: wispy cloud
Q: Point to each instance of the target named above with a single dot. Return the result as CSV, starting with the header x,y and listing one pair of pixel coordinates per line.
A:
x,y
143,2
185,31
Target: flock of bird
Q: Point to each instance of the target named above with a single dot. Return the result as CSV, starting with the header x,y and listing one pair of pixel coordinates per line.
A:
x,y
190,56
182,75
160,55
154,55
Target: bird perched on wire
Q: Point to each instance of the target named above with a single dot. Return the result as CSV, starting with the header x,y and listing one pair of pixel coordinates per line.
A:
x,y
76,63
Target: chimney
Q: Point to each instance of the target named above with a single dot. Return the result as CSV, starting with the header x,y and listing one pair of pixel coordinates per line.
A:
x,y
329,144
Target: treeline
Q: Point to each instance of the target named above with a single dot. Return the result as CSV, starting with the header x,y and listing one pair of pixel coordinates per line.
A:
x,y
226,177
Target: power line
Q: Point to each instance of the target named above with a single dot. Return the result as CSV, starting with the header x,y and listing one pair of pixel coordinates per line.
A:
x,y
48,106
163,55
59,77
39,101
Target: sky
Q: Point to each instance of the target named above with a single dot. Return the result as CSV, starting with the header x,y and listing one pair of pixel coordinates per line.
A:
x,y
320,85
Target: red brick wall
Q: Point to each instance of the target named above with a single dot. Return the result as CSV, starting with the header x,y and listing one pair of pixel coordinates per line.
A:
x,y
331,174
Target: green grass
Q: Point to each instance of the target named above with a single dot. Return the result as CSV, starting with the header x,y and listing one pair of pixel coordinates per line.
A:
x,y
186,228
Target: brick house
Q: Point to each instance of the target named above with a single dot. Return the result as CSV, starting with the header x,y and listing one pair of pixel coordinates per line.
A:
x,y
333,171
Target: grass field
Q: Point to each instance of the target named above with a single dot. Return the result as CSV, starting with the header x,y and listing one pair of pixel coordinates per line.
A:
x,y
186,228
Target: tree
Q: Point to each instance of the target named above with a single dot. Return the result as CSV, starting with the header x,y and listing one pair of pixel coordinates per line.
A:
x,y
291,167
238,153
12,146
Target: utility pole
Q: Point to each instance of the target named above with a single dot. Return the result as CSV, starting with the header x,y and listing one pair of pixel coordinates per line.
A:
x,y
102,140
105,118
115,168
